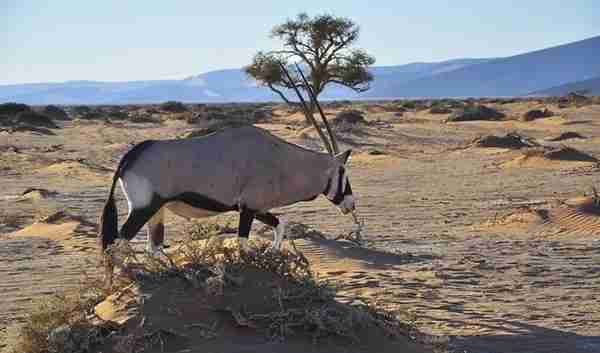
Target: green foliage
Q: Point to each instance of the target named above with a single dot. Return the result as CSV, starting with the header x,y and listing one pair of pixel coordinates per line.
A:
x,y
33,118
55,112
12,108
173,107
322,46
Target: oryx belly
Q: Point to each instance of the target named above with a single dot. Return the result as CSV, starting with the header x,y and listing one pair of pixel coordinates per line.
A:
x,y
184,210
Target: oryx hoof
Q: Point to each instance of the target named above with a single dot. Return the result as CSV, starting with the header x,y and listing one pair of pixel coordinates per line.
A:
x,y
245,248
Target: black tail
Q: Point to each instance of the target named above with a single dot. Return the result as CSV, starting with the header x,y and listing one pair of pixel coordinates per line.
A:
x,y
109,221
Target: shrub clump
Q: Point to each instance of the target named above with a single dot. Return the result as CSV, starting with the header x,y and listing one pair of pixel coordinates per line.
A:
x,y
173,107
32,118
537,114
511,140
476,112
349,117
55,112
439,109
12,108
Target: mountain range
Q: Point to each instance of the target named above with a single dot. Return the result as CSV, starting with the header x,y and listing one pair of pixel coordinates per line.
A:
x,y
551,71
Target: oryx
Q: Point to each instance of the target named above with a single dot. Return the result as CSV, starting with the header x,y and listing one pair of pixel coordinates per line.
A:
x,y
244,169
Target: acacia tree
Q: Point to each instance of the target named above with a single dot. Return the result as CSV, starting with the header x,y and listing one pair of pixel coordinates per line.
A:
x,y
322,45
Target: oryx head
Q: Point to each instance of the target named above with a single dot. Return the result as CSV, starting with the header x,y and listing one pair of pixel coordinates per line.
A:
x,y
338,189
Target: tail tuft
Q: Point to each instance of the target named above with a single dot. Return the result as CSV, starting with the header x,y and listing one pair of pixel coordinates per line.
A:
x,y
109,224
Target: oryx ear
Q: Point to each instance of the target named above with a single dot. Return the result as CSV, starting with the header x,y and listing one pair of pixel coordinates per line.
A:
x,y
343,157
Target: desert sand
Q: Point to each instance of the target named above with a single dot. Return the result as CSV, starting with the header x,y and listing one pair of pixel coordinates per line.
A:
x,y
492,249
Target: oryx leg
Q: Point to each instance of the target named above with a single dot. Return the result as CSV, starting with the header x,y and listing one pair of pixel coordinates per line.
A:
x,y
156,233
278,225
137,218
246,219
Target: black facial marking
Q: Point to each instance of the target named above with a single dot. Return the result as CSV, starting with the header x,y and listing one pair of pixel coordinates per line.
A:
x,y
327,187
339,194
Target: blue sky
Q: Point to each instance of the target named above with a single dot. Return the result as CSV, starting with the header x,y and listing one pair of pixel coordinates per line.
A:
x,y
121,40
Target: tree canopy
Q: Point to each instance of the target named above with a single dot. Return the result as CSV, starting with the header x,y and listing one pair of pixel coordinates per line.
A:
x,y
322,46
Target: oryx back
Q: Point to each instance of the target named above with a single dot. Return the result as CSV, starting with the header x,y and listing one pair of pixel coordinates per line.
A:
x,y
243,165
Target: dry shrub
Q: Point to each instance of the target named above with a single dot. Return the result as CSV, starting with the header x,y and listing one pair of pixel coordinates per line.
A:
x,y
173,107
55,112
511,140
274,292
12,108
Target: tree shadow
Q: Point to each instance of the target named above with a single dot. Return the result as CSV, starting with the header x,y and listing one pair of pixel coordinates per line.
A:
x,y
370,258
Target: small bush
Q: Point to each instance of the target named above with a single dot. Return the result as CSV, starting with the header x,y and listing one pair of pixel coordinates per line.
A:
x,y
118,115
437,109
476,112
55,112
536,114
349,117
173,107
32,118
81,109
13,108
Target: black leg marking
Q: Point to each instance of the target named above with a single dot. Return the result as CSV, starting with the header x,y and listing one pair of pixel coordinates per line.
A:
x,y
246,218
268,219
137,219
156,232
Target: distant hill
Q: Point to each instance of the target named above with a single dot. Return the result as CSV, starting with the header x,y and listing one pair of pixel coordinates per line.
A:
x,y
511,76
230,85
518,75
591,87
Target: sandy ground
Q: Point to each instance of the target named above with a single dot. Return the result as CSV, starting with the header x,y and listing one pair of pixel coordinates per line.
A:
x,y
453,233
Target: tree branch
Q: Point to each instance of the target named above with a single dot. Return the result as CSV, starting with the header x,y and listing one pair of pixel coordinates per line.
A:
x,y
280,94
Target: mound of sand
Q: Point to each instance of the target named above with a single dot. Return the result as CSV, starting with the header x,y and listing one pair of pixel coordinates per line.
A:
x,y
77,169
579,216
37,194
522,217
551,157
59,226
567,136
232,302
